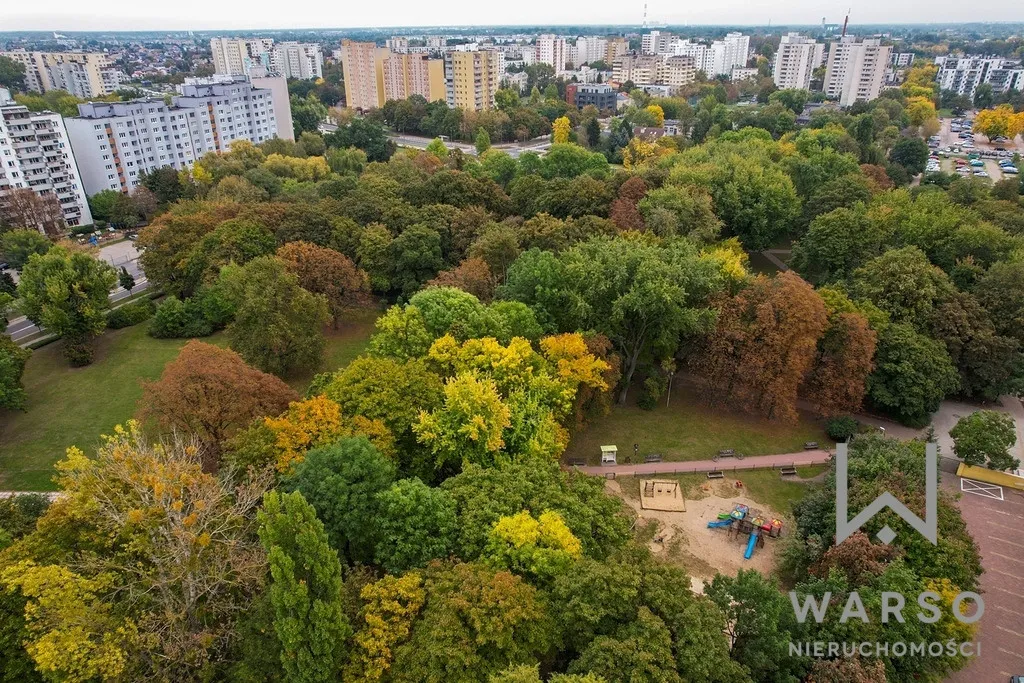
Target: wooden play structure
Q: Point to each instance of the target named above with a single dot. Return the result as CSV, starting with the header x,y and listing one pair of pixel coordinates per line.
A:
x,y
609,455
749,526
662,494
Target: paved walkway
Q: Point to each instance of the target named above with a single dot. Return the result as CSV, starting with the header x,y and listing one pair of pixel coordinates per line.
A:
x,y
815,457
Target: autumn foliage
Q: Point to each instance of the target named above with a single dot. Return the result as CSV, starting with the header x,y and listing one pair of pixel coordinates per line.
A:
x,y
328,272
472,275
210,392
763,346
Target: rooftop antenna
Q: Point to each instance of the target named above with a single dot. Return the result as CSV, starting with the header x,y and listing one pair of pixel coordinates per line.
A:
x,y
846,22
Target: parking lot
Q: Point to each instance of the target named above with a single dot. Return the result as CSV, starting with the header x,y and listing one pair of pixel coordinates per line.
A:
x,y
995,526
991,154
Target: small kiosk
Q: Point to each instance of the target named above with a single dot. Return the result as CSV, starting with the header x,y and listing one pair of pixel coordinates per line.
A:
x,y
608,455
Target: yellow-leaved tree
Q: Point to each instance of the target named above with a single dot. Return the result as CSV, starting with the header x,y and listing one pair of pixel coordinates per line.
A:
x,y
560,130
389,608
657,112
541,547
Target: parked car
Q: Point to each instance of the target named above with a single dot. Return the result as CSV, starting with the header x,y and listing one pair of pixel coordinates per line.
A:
x,y
1010,170
981,174
977,163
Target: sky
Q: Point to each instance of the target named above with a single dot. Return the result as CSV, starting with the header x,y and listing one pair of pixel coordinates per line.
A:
x,y
98,15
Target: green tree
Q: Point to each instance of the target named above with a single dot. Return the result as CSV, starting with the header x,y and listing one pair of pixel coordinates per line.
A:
x,y
125,279
67,293
475,623
761,624
912,375
985,437
417,524
911,154
12,74
903,283
305,589
17,246
438,149
277,325
483,141
307,113
640,650
12,366
342,482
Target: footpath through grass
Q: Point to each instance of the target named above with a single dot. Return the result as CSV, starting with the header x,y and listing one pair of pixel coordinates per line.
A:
x,y
74,406
689,430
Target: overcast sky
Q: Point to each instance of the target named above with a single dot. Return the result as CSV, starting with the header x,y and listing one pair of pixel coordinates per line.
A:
x,y
262,14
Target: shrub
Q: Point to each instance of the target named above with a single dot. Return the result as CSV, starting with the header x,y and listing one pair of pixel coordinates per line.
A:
x,y
199,316
841,428
130,314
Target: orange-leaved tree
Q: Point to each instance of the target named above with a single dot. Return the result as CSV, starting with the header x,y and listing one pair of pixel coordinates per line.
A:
x,y
210,392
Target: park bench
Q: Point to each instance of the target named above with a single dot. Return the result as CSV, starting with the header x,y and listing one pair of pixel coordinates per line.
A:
x,y
716,474
577,462
652,457
810,445
787,471
727,453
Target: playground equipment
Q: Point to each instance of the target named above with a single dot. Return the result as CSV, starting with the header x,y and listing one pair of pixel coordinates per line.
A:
x,y
662,494
609,455
742,521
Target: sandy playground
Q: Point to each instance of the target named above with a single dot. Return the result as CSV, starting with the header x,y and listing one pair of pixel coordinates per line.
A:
x,y
686,539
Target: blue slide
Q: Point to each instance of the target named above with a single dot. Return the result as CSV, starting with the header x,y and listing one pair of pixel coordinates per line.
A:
x,y
750,545
720,523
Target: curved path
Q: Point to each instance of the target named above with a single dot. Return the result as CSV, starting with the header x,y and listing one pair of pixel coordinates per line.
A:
x,y
751,462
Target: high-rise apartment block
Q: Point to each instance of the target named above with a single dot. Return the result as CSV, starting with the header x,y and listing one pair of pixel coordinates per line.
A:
x,y
472,78
239,56
83,74
856,69
413,74
963,75
657,43
719,57
617,47
116,142
35,154
552,50
590,49
797,58
363,69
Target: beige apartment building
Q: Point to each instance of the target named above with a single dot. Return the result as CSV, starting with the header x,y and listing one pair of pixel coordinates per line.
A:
x,y
670,70
472,78
362,65
413,74
83,74
856,69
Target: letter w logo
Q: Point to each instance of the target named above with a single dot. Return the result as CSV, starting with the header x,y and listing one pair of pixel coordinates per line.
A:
x,y
927,528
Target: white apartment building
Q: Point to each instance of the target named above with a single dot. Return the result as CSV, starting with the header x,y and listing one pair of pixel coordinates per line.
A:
x,y
397,44
83,74
743,73
552,50
668,70
35,154
236,56
901,59
239,56
963,75
657,43
115,142
856,69
718,58
297,60
796,60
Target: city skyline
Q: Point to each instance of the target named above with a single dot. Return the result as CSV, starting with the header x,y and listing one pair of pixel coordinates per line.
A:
x,y
122,15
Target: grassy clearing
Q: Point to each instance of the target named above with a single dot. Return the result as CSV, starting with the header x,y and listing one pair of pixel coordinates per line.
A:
x,y
74,406
689,430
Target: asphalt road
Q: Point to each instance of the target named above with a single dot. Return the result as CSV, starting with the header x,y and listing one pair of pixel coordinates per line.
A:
x,y
22,330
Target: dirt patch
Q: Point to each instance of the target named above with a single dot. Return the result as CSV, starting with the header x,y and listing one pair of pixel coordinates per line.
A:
x,y
685,539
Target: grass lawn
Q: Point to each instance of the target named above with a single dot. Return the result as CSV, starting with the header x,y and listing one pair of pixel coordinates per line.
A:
x,y
73,406
689,430
764,486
